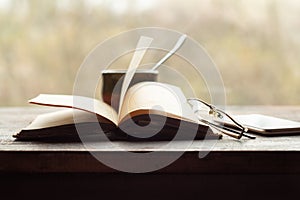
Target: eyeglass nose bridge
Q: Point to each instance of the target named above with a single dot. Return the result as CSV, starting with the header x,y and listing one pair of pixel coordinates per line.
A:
x,y
220,114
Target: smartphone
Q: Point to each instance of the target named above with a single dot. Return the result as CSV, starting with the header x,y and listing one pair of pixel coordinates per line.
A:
x,y
267,125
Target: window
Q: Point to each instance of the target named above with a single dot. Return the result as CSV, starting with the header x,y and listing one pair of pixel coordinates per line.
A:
x,y
254,43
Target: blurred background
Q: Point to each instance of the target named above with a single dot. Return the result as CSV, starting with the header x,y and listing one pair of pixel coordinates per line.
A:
x,y
254,43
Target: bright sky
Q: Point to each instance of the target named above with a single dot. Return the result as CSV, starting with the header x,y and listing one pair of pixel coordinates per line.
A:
x,y
118,6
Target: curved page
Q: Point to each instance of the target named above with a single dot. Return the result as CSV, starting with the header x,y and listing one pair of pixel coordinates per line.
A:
x,y
81,103
159,98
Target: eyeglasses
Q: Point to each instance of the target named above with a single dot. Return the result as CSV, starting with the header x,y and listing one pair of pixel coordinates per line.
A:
x,y
215,118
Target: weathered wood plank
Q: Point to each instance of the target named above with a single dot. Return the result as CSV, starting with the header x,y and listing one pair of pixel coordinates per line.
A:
x,y
262,155
13,119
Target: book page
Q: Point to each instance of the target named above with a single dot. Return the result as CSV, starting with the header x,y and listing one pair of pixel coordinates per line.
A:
x,y
141,49
161,98
78,102
59,118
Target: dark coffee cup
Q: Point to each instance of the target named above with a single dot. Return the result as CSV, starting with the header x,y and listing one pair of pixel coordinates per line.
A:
x,y
112,83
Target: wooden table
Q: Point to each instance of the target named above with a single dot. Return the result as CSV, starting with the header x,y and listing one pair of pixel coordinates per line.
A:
x,y
229,162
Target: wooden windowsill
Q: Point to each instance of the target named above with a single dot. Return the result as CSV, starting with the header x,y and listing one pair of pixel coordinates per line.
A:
x,y
262,155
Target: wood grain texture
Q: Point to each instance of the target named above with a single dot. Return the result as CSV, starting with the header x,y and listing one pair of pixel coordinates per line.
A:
x,y
262,155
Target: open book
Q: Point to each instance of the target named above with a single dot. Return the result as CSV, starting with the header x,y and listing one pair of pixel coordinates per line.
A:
x,y
150,110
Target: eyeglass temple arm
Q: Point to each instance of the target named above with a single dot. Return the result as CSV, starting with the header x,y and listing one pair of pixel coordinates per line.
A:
x,y
228,131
